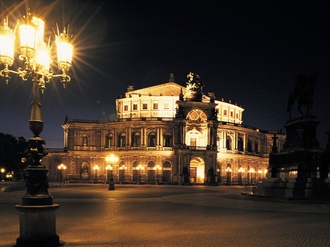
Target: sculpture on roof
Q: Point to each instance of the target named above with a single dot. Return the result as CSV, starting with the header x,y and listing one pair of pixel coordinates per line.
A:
x,y
303,93
194,82
194,87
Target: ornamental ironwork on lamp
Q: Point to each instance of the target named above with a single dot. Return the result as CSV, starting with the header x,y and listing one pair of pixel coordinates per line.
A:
x,y
35,61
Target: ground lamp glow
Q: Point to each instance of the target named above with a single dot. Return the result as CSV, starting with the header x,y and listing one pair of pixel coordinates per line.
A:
x,y
37,210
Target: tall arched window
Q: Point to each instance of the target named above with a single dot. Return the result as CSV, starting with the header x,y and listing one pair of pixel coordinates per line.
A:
x,y
108,141
229,145
152,139
136,139
240,144
122,140
167,140
249,146
256,147
84,140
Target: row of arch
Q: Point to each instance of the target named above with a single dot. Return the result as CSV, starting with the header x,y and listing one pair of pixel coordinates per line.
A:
x,y
167,141
137,140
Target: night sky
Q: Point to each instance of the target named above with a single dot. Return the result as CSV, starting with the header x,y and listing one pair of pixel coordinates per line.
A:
x,y
249,52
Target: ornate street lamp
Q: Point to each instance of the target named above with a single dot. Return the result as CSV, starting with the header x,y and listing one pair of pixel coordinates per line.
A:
x,y
157,168
96,168
112,159
37,217
2,174
140,168
228,171
122,168
251,176
61,167
240,172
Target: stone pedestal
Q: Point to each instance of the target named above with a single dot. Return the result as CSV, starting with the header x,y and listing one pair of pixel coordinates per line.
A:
x,y
296,172
37,226
37,211
111,186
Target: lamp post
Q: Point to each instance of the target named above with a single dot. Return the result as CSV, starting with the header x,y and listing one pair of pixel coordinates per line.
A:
x,y
2,174
228,171
9,176
112,159
157,168
123,168
240,172
140,168
96,168
251,175
37,211
61,167
108,168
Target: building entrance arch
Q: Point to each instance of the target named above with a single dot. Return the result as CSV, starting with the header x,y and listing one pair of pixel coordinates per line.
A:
x,y
197,170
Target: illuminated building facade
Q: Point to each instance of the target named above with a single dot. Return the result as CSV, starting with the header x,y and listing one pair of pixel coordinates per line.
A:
x,y
166,133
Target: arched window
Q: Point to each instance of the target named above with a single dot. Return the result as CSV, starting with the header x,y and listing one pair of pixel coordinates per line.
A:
x,y
84,140
240,144
122,140
256,147
229,143
151,164
136,139
135,164
167,164
167,140
249,146
152,139
108,141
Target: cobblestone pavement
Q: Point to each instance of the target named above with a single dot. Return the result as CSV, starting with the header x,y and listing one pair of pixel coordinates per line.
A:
x,y
168,215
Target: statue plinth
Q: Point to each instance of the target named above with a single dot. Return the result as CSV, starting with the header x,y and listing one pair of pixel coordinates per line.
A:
x,y
295,171
301,133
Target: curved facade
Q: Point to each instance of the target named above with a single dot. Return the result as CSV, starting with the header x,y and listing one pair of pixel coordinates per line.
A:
x,y
165,133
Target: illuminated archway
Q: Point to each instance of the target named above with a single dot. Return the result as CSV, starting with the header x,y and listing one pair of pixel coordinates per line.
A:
x,y
197,170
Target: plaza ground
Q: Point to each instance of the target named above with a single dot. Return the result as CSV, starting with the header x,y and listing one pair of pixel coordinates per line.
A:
x,y
172,215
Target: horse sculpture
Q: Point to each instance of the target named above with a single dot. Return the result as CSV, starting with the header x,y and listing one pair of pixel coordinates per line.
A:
x,y
303,93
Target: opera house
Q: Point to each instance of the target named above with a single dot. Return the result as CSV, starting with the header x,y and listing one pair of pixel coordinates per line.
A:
x,y
167,133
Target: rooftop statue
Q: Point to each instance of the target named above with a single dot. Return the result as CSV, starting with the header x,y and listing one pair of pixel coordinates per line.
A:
x,y
303,93
194,87
194,83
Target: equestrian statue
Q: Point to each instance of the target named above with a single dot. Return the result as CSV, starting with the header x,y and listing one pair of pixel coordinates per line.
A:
x,y
303,93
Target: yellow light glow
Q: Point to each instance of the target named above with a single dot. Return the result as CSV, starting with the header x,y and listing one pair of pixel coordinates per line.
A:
x,y
39,29
64,52
27,37
200,174
228,169
111,158
157,167
140,167
42,58
7,40
61,167
241,169
96,167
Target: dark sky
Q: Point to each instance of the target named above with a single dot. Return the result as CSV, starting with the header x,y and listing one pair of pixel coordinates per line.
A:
x,y
249,52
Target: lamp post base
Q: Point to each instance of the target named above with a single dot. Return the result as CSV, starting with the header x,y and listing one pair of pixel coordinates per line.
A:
x,y
37,226
111,186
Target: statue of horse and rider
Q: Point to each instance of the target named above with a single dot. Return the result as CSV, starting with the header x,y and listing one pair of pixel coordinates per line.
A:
x,y
303,93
